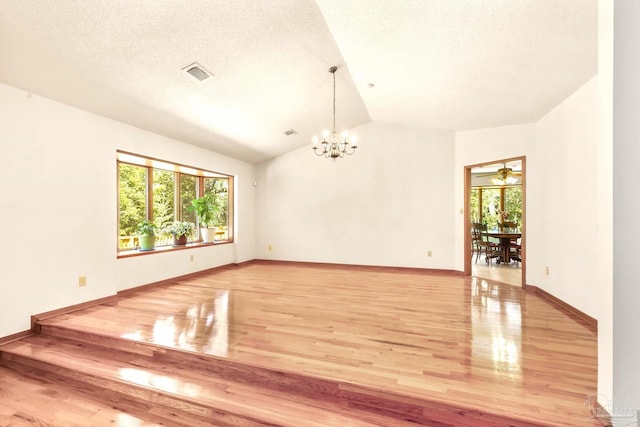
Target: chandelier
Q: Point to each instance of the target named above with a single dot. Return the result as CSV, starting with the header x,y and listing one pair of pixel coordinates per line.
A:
x,y
334,147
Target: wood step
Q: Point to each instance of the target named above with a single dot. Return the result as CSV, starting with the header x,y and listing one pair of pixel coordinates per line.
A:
x,y
176,394
27,401
371,405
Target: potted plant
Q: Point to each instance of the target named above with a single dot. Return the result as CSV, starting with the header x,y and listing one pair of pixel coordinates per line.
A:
x,y
146,232
206,210
181,230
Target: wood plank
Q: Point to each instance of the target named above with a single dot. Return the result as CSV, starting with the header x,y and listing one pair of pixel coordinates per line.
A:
x,y
26,401
446,341
588,320
193,395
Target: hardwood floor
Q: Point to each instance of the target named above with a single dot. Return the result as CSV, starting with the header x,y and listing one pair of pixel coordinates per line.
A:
x,y
316,345
25,401
505,273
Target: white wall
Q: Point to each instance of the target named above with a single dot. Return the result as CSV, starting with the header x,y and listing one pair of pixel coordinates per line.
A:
x,y
603,202
58,207
562,185
567,198
626,206
388,204
569,210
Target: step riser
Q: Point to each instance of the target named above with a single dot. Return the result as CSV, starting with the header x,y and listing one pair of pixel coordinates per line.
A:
x,y
335,391
128,396
100,340
348,396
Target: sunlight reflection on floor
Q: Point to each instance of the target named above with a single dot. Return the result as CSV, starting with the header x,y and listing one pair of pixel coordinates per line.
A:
x,y
510,273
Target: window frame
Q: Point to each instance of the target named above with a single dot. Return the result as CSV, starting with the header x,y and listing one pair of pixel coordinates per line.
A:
x,y
502,200
179,169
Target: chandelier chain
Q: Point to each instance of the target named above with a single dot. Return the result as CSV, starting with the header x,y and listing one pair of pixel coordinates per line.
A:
x,y
334,101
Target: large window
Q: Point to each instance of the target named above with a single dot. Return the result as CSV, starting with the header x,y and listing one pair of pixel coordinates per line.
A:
x,y
161,192
496,193
486,203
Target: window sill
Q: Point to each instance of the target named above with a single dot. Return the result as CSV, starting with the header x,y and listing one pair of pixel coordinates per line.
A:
x,y
164,249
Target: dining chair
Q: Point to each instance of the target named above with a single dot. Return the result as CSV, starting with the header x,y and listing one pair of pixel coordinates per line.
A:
x,y
481,243
514,245
509,224
515,251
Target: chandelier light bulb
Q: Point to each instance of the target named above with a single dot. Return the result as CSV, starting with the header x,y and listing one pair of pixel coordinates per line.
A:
x,y
325,133
345,134
315,139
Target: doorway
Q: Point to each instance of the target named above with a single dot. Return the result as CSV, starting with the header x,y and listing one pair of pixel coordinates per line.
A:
x,y
495,197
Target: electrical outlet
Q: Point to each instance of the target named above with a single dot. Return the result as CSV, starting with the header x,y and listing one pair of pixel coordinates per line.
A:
x,y
82,281
546,270
191,258
269,248
429,254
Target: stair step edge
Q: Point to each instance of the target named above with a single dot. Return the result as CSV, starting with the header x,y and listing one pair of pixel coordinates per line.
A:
x,y
238,401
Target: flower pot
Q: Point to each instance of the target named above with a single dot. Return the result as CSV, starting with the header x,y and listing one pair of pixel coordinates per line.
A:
x,y
208,234
179,240
147,243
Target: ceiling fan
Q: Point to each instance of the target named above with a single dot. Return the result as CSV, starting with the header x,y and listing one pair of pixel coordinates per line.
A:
x,y
504,172
502,176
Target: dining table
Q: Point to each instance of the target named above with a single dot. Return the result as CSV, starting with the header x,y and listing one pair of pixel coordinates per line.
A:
x,y
505,237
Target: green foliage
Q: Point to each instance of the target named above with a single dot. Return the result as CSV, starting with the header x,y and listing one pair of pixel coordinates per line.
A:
x,y
163,196
219,190
513,203
162,212
146,228
491,205
205,209
132,197
474,205
188,188
179,228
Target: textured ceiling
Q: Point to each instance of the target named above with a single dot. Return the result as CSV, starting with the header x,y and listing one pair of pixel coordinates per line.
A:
x,y
445,64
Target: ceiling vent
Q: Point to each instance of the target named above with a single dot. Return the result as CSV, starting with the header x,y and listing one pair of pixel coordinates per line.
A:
x,y
197,71
290,132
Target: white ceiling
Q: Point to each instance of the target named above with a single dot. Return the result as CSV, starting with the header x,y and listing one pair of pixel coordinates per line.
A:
x,y
444,64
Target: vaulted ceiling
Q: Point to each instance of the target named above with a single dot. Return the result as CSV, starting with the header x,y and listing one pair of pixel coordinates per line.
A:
x,y
443,64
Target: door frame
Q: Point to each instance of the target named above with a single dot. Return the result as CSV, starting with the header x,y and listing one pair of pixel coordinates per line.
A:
x,y
467,221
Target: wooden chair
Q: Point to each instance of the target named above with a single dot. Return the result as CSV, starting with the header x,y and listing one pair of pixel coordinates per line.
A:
x,y
514,245
515,251
481,243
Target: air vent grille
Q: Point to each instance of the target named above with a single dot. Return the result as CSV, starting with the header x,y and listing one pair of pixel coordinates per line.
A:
x,y
197,71
290,132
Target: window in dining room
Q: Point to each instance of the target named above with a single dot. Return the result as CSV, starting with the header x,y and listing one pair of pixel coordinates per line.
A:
x,y
493,205
513,204
496,194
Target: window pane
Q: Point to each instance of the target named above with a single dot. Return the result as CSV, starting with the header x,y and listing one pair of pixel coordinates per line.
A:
x,y
163,197
132,198
188,189
474,205
513,203
490,206
219,189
